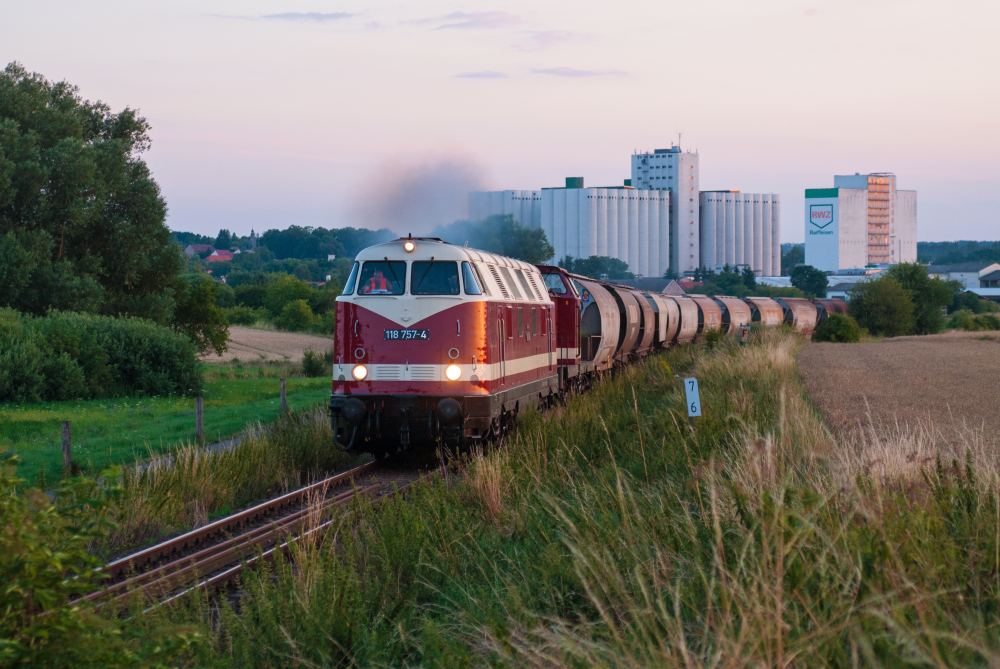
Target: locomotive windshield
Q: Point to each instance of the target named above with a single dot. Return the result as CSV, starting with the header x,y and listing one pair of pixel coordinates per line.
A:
x,y
351,280
380,277
554,282
471,282
434,278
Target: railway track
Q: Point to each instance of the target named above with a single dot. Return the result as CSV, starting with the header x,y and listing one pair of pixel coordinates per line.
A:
x,y
213,555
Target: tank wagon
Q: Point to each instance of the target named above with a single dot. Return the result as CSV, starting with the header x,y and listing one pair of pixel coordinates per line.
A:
x,y
443,343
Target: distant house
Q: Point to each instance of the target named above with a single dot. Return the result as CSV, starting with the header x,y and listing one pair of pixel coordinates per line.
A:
x,y
688,284
193,250
220,256
972,274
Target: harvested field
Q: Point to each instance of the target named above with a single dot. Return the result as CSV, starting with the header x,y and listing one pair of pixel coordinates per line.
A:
x,y
949,381
254,345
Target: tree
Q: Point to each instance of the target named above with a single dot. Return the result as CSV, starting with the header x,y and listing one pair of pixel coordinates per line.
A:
x,y
499,234
749,279
78,201
809,280
796,256
838,328
595,266
199,317
670,274
882,306
929,295
296,315
224,240
285,290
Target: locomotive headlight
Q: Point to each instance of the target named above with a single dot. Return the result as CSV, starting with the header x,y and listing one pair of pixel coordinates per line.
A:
x,y
453,372
359,372
409,246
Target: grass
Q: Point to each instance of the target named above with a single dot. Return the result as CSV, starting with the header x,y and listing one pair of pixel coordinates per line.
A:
x,y
122,431
606,534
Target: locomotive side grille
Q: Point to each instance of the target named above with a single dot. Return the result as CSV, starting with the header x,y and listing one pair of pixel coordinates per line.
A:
x,y
387,372
424,373
510,280
531,278
503,288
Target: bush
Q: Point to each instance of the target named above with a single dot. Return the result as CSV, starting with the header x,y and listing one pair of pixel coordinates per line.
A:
x,y
967,320
929,295
313,364
285,291
295,316
327,323
251,296
66,355
838,328
972,302
882,307
241,315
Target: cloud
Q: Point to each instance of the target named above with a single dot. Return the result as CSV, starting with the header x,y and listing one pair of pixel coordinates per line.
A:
x,y
538,40
478,20
482,74
318,17
417,197
573,72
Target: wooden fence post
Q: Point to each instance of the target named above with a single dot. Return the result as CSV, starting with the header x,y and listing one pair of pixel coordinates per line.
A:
x,y
284,401
198,423
67,445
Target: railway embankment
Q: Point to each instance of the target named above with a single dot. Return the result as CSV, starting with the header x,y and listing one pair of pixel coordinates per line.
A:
x,y
607,533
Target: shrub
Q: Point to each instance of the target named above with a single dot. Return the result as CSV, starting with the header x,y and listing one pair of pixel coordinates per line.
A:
x,y
882,307
251,296
327,323
295,316
966,320
67,355
713,338
313,364
240,315
838,328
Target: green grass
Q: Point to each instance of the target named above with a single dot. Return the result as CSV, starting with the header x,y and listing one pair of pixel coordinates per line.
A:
x,y
122,431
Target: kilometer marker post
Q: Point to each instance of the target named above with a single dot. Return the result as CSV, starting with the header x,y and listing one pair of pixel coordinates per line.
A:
x,y
693,400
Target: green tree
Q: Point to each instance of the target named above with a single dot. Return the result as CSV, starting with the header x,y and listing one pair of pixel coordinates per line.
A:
x,y
809,280
796,255
296,315
224,240
881,306
78,203
929,295
595,266
285,290
199,317
499,234
749,279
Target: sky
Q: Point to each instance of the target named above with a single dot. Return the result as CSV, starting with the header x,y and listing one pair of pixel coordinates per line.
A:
x,y
267,114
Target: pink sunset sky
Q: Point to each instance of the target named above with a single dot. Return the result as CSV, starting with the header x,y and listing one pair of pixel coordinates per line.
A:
x,y
269,114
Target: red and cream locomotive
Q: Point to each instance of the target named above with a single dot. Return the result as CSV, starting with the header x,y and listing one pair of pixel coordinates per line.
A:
x,y
442,342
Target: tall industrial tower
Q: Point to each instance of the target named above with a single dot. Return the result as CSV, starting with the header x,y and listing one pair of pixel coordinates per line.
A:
x,y
675,171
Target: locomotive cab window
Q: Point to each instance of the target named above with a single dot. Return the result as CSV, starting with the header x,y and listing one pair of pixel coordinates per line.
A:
x,y
472,286
554,282
434,278
379,277
351,280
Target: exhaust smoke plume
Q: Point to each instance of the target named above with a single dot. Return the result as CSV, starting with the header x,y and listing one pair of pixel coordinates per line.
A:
x,y
417,197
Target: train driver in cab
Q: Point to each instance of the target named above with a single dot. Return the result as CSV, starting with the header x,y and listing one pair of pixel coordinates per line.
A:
x,y
377,285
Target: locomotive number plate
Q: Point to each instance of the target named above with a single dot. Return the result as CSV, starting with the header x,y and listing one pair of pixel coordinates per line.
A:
x,y
403,335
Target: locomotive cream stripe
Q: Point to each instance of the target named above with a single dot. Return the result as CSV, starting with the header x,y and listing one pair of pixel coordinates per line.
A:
x,y
406,372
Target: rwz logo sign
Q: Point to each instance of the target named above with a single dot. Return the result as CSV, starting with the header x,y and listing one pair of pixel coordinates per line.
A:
x,y
821,215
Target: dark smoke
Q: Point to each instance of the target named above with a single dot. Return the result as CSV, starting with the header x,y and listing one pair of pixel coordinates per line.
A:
x,y
417,198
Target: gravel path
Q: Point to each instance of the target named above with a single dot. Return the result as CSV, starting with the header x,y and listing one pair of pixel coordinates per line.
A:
x,y
951,379
254,345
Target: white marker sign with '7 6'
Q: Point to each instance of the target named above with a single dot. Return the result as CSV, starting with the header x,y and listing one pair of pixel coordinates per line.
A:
x,y
693,401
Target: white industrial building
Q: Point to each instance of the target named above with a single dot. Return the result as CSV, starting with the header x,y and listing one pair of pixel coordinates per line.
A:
x,y
863,221
621,222
677,172
741,229
524,205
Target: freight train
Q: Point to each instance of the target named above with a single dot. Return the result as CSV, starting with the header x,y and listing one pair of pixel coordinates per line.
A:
x,y
442,343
